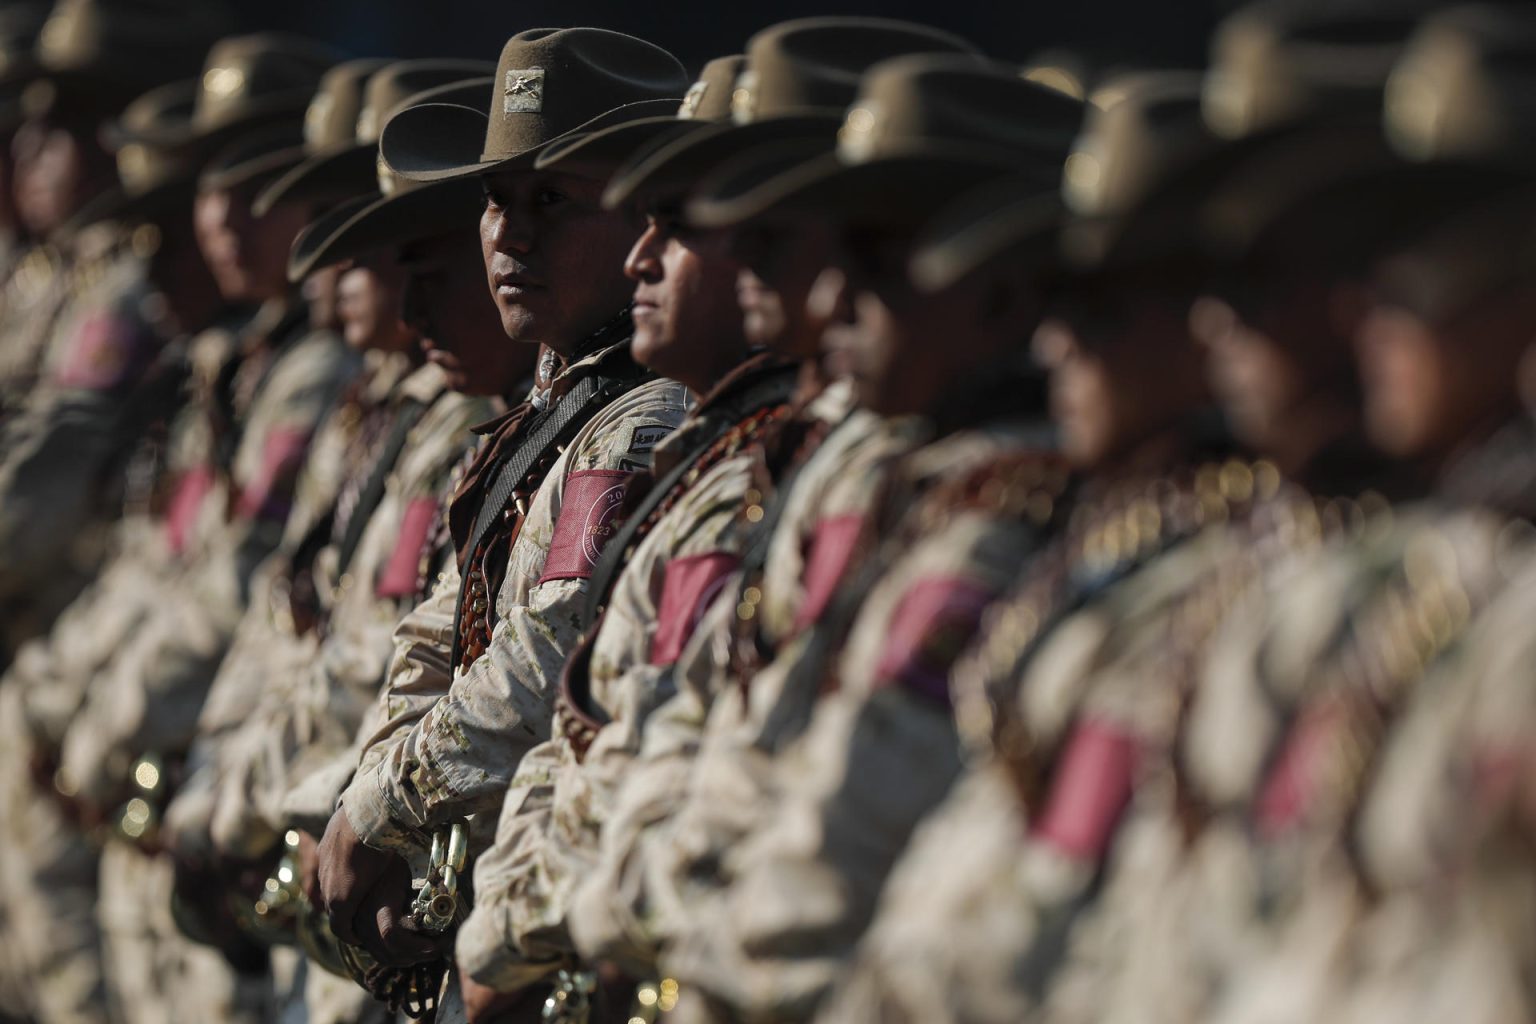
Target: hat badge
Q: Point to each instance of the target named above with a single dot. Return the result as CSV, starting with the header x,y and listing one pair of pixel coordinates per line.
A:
x,y
861,130
744,98
524,91
223,81
691,100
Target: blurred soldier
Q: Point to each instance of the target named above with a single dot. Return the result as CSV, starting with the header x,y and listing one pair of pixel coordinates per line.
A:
x,y
864,697
793,550
479,657
19,25
679,541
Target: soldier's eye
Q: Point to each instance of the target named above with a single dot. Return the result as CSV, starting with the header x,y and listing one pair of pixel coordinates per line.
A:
x,y
549,197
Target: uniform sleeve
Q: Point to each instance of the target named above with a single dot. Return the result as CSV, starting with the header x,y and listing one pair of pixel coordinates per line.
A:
x,y
460,757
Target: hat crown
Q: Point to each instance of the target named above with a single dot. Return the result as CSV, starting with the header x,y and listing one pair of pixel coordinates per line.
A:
x,y
959,103
242,70
1139,130
143,163
458,92
549,81
389,89
1275,63
128,45
709,98
331,117
814,65
1466,86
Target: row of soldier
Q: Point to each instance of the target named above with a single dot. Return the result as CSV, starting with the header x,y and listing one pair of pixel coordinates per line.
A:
x,y
902,541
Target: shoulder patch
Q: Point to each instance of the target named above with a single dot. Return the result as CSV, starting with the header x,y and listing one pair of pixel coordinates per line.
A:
x,y
647,436
589,512
831,548
281,456
181,512
933,623
691,586
401,575
1089,790
105,352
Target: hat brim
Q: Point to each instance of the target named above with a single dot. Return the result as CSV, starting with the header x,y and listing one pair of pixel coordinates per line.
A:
x,y
369,223
983,224
613,145
177,132
899,188
690,157
324,178
258,169
443,141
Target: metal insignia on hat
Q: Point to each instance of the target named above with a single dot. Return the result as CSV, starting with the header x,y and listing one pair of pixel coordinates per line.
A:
x,y
315,117
388,184
691,100
133,166
1415,113
223,81
524,92
744,98
1082,181
860,132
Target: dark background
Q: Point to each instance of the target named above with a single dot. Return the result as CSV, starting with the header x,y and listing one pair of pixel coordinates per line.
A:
x,y
1112,32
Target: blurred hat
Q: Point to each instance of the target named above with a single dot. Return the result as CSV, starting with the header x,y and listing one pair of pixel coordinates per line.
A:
x,y
255,158
798,80
152,178
550,85
921,128
19,26
401,210
707,102
93,56
341,126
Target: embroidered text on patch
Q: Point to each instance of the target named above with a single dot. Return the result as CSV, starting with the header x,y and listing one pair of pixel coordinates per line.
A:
x,y
589,516
524,92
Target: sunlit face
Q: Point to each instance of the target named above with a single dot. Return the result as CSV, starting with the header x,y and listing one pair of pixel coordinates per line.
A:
x,y
460,328
370,300
1122,371
779,263
247,254
907,352
553,257
687,325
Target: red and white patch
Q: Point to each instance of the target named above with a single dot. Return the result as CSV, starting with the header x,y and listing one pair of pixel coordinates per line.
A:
x,y
401,575
589,513
106,351
1293,782
266,497
831,549
691,586
185,502
933,623
1089,790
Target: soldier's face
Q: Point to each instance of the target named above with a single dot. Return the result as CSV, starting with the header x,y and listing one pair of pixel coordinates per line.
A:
x,y
906,352
460,330
52,175
1432,386
686,322
1119,377
320,293
780,262
554,258
247,254
1255,380
370,304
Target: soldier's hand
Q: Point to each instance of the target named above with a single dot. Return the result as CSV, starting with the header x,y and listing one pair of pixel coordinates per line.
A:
x,y
365,893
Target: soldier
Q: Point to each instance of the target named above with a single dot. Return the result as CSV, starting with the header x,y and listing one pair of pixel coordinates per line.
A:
x,y
679,541
791,554
478,657
19,26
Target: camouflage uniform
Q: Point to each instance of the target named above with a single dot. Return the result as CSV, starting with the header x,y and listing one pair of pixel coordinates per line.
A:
x,y
547,838
449,737
34,294
859,742
689,768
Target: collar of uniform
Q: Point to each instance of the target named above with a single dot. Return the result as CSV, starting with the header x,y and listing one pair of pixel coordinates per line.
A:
x,y
383,373
575,371
423,384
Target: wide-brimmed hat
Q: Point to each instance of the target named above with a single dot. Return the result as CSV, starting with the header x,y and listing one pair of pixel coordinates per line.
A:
x,y
401,210
93,56
550,85
707,102
341,127
1454,122
798,80
246,82
19,25
920,128
252,160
